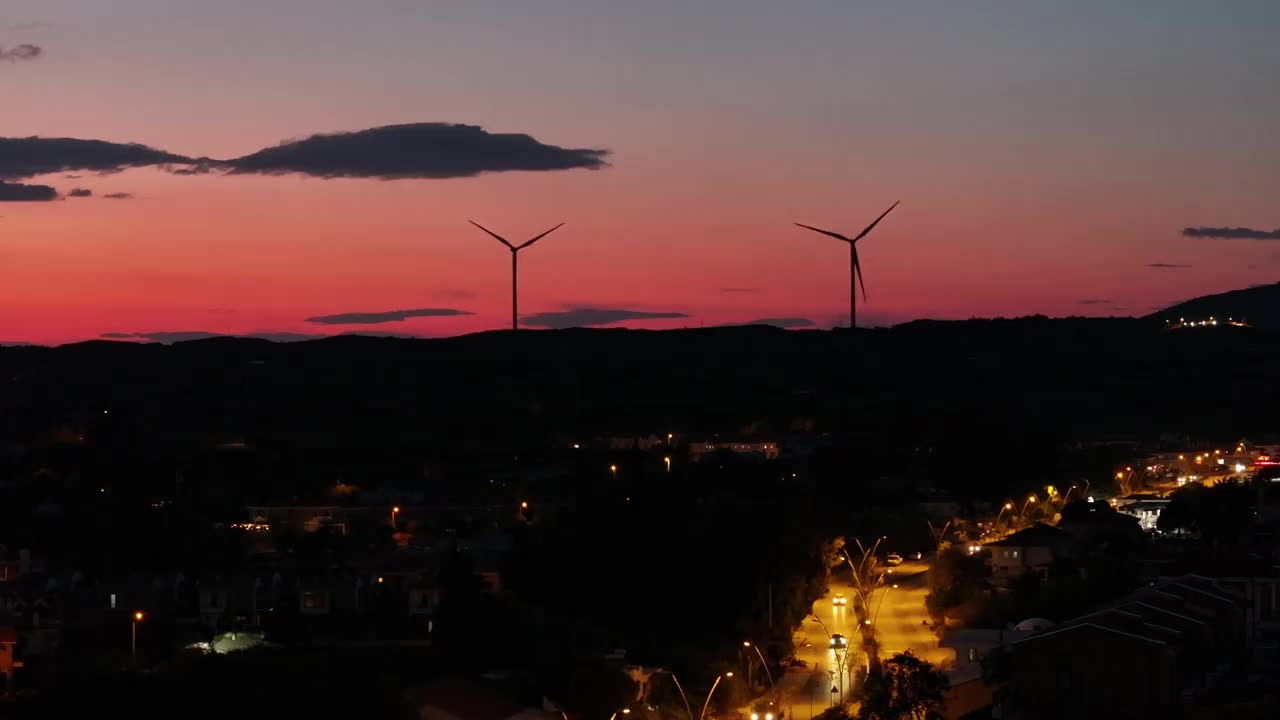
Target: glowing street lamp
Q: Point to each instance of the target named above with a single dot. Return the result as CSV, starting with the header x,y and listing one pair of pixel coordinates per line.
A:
x,y
667,460
524,504
714,685
1007,506
395,510
133,633
613,470
624,711
763,664
1030,499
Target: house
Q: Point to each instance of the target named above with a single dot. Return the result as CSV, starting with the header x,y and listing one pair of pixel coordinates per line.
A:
x,y
1146,508
1145,657
1031,550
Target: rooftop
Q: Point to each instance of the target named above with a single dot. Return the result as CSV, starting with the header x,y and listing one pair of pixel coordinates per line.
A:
x,y
1038,534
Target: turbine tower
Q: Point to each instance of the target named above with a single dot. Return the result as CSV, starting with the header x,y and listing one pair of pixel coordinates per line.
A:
x,y
855,268
515,254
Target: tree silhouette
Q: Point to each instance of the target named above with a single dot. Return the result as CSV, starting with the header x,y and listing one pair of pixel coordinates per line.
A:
x,y
902,687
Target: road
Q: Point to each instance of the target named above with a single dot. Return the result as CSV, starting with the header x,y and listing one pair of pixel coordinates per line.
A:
x,y
807,691
900,626
901,623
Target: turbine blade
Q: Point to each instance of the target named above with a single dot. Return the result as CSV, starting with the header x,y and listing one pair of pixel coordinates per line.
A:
x,y
835,235
495,235
857,267
530,242
877,222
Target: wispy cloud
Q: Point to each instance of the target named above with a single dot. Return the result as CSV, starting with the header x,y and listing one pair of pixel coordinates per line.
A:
x,y
1095,301
17,192
1167,266
1231,233
21,52
375,318
588,317
739,290
30,25
118,196
783,322
80,192
454,293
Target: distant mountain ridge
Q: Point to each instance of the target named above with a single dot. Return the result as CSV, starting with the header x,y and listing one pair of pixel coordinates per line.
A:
x,y
1259,306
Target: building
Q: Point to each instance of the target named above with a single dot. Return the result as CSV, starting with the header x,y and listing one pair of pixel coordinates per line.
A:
x,y
1149,656
764,450
1146,508
1031,550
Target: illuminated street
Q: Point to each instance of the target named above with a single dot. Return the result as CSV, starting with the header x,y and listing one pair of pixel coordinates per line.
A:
x,y
902,622
808,689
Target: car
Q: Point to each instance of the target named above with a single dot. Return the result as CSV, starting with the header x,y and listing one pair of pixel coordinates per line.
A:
x,y
838,641
893,559
839,600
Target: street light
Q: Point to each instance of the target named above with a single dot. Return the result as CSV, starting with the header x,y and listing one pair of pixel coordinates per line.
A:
x,y
683,697
395,510
714,685
1030,499
613,469
133,633
1064,497
880,605
763,664
667,460
524,504
1007,506
624,711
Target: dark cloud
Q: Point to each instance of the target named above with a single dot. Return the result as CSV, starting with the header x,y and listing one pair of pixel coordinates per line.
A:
x,y
419,150
374,318
586,317
14,192
739,290
21,52
1236,233
29,157
118,196
80,192
784,322
1162,266
118,336
1095,301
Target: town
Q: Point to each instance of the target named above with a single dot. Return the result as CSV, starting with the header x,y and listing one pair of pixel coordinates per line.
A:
x,y
534,584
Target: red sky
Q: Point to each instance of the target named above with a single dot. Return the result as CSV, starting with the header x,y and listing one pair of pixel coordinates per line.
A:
x,y
1041,161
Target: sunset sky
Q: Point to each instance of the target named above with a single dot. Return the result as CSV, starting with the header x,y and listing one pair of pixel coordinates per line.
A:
x,y
1047,155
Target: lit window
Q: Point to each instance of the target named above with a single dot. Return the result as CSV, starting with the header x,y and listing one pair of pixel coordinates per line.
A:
x,y
314,600
1015,553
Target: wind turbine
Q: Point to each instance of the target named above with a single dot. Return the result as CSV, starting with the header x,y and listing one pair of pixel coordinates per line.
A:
x,y
855,268
515,254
